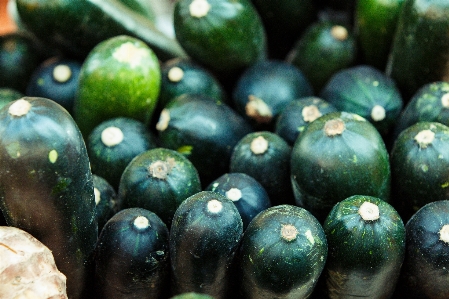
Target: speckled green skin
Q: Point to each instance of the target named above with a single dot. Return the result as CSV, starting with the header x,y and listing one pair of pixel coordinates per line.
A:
x,y
109,162
229,38
375,22
425,105
46,187
272,267
419,50
111,85
426,264
203,245
365,257
139,188
76,27
419,175
327,169
359,88
132,262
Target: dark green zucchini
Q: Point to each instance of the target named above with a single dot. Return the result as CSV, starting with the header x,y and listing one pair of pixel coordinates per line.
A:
x,y
248,195
420,167
282,254
224,35
338,155
425,270
76,27
375,24
192,295
298,114
104,93
204,237
284,22
105,197
46,185
114,143
158,180
366,91
8,95
132,256
323,49
429,103
265,156
19,56
419,50
182,75
203,130
366,240
56,79
263,90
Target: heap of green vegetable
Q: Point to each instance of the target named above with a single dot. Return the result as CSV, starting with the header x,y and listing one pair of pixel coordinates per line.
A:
x,y
262,149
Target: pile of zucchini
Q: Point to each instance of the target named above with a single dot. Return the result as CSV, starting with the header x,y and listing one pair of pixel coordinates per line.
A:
x,y
262,149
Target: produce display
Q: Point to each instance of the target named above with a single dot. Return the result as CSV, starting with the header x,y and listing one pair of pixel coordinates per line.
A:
x,y
248,149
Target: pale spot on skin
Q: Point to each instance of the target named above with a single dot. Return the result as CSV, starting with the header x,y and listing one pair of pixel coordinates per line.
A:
x,y
130,54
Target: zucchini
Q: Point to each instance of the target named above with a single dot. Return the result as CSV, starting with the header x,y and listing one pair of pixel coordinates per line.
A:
x,y
204,238
412,62
55,78
366,240
248,195
226,36
19,56
368,92
131,256
105,197
76,27
282,254
425,270
192,295
114,143
103,93
46,185
419,167
338,155
158,180
265,156
429,103
8,95
203,130
375,23
324,48
298,114
263,90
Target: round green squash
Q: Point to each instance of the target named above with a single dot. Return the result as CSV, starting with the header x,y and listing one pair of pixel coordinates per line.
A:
x,y
338,155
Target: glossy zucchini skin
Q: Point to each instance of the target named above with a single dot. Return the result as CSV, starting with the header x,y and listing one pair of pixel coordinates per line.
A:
x,y
365,252
429,103
324,48
338,155
56,78
204,238
132,256
419,167
368,92
375,23
264,89
227,37
273,265
46,185
105,197
203,130
265,156
298,114
248,195
426,262
412,62
114,143
103,93
158,180
76,27
192,295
